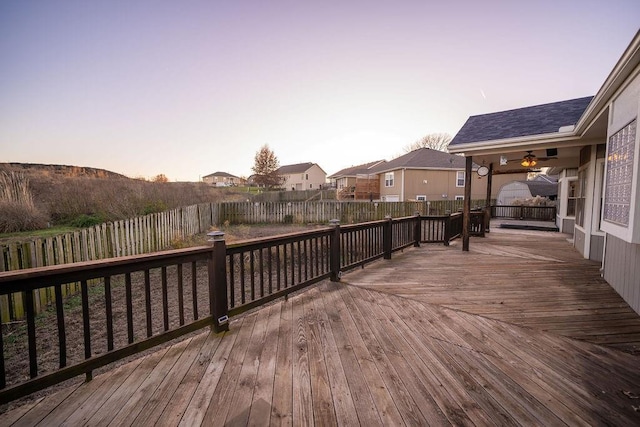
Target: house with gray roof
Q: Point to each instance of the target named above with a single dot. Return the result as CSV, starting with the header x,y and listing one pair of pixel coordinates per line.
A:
x,y
356,182
221,179
594,143
302,176
426,174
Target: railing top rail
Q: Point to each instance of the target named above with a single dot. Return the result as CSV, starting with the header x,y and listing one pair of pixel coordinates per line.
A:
x,y
361,225
279,239
21,280
523,206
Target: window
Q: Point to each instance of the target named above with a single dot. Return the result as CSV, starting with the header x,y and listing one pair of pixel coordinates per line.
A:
x,y
306,176
619,179
571,198
460,197
460,179
310,186
580,196
421,198
388,179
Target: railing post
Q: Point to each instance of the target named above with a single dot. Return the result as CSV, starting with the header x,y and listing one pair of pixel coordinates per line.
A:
x,y
447,230
334,254
217,267
387,237
417,231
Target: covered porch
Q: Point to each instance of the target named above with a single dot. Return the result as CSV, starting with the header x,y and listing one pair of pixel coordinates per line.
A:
x,y
520,330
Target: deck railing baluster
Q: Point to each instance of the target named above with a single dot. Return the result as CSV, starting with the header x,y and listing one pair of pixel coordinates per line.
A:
x,y
147,302
194,288
180,295
108,312
31,333
84,291
165,298
62,336
129,303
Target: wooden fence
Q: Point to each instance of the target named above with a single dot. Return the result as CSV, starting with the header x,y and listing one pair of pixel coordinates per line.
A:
x,y
295,196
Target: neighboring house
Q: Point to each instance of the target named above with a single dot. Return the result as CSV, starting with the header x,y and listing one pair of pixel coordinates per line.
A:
x,y
221,179
520,190
426,174
356,182
302,176
595,144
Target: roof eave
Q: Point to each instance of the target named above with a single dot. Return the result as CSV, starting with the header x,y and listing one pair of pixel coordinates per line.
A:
x,y
521,141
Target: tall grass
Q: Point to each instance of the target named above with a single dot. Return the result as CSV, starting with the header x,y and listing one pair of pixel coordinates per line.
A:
x,y
17,209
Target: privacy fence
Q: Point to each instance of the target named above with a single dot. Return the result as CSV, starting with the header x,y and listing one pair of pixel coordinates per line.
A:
x,y
130,304
155,232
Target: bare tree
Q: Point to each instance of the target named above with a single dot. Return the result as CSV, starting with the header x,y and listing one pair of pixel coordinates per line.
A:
x,y
160,178
265,166
435,141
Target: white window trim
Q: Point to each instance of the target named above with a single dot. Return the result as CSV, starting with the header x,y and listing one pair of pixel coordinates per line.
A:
x,y
458,178
388,183
421,198
459,198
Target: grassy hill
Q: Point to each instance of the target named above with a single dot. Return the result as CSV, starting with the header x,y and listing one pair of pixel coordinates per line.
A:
x,y
82,196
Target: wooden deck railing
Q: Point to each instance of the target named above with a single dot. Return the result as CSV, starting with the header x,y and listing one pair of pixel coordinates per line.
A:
x,y
132,303
537,213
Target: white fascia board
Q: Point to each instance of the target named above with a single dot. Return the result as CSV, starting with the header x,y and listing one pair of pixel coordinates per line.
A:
x,y
498,145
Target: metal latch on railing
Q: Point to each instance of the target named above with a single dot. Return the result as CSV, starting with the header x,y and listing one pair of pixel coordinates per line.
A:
x,y
223,320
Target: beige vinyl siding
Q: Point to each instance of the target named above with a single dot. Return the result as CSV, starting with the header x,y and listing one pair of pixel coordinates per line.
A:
x,y
315,178
441,184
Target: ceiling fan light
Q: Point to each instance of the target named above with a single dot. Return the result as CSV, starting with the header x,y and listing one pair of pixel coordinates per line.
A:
x,y
529,161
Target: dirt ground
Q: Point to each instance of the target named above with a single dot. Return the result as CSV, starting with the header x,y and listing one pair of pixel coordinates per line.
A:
x,y
15,333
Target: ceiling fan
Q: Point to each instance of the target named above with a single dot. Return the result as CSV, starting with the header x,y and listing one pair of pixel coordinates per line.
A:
x,y
530,160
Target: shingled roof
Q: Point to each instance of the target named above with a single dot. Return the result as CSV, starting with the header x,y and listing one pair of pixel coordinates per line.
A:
x,y
422,158
356,170
221,174
535,120
297,168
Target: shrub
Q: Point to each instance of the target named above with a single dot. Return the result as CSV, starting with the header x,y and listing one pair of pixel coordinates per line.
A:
x,y
84,221
16,217
155,207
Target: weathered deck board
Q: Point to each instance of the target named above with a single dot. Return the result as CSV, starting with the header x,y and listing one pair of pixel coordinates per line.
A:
x,y
532,279
348,354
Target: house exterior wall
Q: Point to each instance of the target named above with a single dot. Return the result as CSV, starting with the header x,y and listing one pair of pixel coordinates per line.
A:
x,y
440,184
596,252
345,182
565,220
579,240
622,269
313,178
622,247
219,181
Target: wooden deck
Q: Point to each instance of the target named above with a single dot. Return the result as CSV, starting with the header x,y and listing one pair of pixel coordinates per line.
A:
x,y
510,333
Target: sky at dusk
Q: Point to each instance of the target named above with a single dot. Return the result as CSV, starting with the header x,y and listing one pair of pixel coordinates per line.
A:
x,y
188,88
